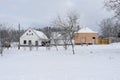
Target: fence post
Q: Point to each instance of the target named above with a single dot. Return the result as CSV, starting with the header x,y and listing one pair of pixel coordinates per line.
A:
x,y
1,49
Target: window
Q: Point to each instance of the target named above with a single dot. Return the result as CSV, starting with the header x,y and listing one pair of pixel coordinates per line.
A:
x,y
93,37
93,40
24,42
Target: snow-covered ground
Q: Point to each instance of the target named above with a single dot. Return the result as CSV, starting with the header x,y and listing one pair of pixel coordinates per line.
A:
x,y
94,62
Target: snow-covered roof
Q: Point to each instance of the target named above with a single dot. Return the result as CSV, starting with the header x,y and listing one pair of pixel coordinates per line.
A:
x,y
40,34
86,30
57,35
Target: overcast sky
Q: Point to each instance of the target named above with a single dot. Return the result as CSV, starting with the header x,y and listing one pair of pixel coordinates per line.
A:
x,y
42,12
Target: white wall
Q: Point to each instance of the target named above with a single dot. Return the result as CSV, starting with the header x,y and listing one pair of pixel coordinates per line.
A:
x,y
29,36
14,44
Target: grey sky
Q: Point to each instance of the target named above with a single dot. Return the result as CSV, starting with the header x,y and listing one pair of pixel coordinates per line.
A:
x,y
44,11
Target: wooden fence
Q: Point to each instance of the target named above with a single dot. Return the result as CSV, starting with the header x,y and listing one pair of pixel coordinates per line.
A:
x,y
103,41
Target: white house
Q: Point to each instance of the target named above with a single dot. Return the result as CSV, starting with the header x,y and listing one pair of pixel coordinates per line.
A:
x,y
56,38
59,39
32,37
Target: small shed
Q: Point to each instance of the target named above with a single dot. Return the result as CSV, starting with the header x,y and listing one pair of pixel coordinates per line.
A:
x,y
86,36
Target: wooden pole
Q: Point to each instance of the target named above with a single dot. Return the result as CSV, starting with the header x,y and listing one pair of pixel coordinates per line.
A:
x,y
19,36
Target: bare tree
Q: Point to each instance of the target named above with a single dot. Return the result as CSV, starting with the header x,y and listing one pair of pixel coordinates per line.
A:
x,y
3,37
68,26
112,25
54,41
106,27
113,5
110,28
1,49
47,31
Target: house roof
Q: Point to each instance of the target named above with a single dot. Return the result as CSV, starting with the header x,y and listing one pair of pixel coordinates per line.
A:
x,y
57,35
40,34
86,30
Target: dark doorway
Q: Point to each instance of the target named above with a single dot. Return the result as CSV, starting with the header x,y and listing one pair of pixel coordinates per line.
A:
x,y
29,42
36,43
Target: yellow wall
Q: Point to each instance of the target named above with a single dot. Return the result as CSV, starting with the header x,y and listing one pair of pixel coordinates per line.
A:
x,y
103,41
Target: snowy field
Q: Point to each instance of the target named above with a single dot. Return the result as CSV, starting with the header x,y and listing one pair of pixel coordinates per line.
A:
x,y
94,62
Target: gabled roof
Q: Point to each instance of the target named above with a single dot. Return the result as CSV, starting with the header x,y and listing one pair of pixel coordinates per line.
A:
x,y
40,34
86,30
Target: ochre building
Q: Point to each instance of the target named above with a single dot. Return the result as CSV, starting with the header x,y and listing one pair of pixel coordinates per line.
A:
x,y
86,36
